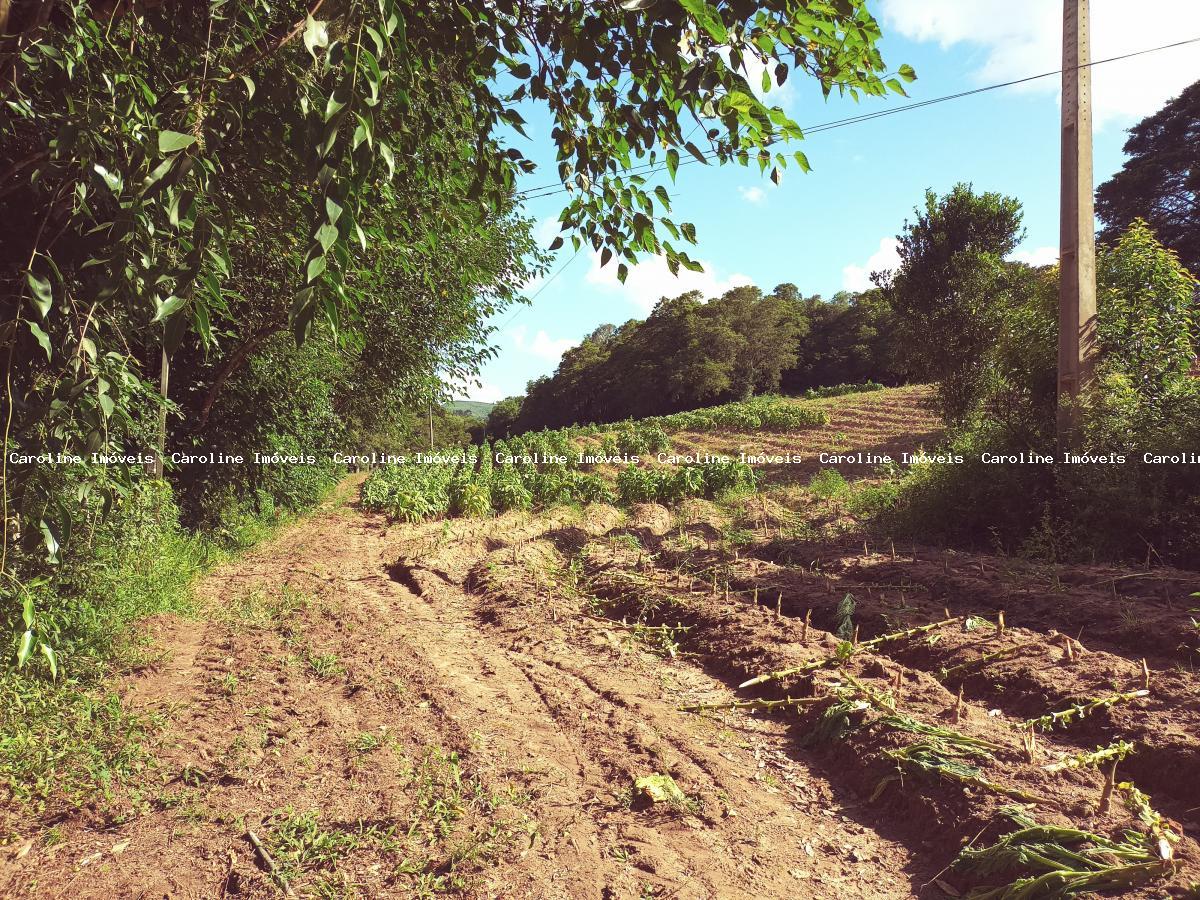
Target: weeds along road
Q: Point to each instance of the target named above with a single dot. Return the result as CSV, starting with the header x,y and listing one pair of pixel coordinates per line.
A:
x,y
462,708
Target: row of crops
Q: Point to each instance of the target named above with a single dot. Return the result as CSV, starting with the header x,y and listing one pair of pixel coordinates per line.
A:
x,y
480,481
545,468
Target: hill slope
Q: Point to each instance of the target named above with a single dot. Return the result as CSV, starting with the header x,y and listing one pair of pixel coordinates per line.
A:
x,y
465,706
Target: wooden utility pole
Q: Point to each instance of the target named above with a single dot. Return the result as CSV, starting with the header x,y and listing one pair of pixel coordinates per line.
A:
x,y
164,379
1077,230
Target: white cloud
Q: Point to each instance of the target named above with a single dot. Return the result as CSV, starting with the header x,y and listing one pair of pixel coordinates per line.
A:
x,y
474,389
755,195
542,345
650,280
1035,256
752,69
858,278
1024,37
485,393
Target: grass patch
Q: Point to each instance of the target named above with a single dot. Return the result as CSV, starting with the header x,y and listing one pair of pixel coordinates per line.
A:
x,y
65,738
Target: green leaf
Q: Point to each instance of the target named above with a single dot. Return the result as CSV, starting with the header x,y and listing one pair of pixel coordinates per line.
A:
x,y
556,243
775,176
316,34
386,152
316,266
249,87
42,337
906,72
50,539
695,151
171,141
672,162
707,18
43,297
25,648
167,307
333,209
51,659
622,272
27,610
327,236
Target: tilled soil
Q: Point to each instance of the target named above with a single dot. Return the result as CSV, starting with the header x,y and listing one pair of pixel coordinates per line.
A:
x,y
463,708
549,725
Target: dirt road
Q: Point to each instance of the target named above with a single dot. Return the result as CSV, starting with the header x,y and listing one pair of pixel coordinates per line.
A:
x,y
464,708
382,719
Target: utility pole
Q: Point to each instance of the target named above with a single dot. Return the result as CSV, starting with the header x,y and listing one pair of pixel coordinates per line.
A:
x,y
1077,230
164,377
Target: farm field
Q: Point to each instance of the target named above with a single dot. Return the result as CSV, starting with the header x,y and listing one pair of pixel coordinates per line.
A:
x,y
487,706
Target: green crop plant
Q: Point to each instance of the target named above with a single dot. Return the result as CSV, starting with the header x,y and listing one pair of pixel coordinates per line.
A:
x,y
1080,710
508,491
721,476
637,485
475,499
1059,861
587,488
828,484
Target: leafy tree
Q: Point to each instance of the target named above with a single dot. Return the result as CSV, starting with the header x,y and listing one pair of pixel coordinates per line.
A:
x,y
222,170
503,417
1160,180
1147,314
849,339
949,290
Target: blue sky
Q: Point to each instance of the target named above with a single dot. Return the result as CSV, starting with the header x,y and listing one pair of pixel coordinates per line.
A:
x,y
828,229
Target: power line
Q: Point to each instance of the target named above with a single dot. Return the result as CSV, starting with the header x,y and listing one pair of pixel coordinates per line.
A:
x,y
548,190
817,129
541,287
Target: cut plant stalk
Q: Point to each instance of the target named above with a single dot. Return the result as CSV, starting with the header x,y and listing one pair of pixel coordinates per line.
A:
x,y
865,645
931,759
1110,782
1059,861
987,658
751,704
1162,838
1087,760
1082,710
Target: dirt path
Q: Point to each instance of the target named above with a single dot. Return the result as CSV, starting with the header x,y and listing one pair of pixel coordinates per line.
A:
x,y
463,708
387,741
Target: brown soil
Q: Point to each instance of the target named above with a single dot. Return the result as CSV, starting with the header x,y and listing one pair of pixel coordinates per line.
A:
x,y
462,708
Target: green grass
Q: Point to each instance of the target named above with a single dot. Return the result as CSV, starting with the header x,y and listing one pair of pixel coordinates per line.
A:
x,y
66,740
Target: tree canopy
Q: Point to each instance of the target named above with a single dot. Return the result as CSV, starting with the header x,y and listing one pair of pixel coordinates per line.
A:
x,y
196,179
1160,180
692,352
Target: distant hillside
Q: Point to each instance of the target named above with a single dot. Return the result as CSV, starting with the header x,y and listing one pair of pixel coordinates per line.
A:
x,y
475,407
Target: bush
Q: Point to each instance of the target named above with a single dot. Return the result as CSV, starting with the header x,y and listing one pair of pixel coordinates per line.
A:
x,y
1143,401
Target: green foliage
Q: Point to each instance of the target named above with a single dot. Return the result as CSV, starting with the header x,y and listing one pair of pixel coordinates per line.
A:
x,y
1157,181
949,292
62,734
1148,327
689,354
828,483
1143,402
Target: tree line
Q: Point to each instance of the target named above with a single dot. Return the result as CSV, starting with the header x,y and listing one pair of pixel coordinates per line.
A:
x,y
693,351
